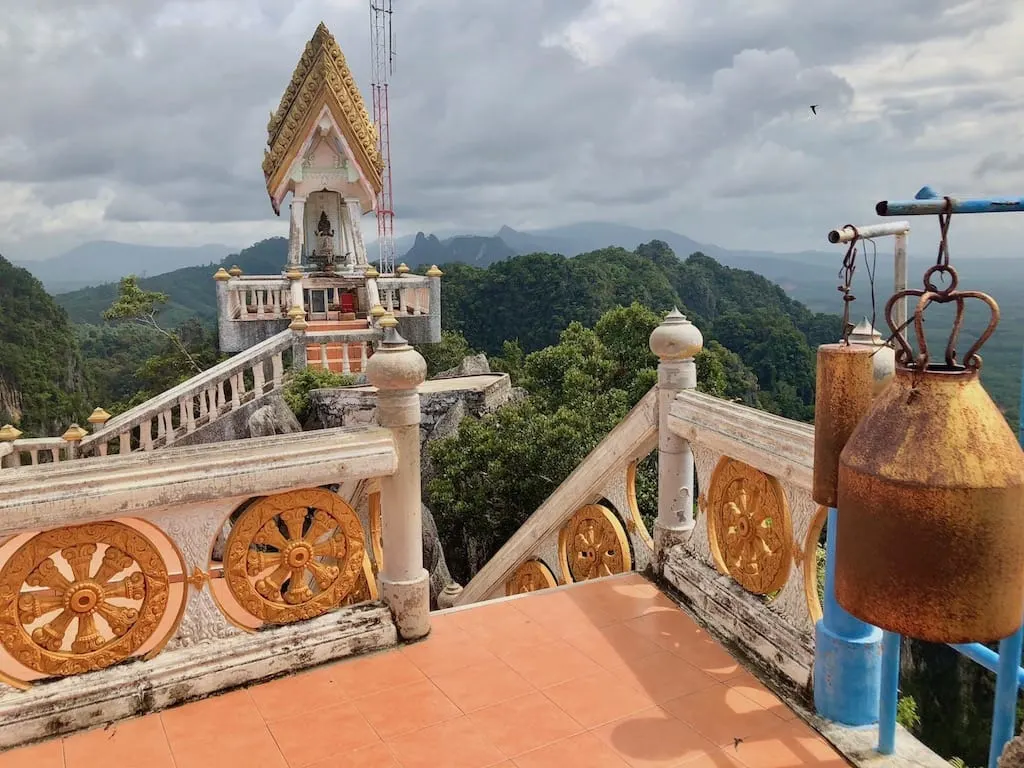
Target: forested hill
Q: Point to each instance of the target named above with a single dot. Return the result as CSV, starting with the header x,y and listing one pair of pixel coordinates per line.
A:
x,y
191,289
531,299
42,383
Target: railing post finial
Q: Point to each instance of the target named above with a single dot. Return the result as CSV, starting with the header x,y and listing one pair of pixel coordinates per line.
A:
x,y
397,370
676,342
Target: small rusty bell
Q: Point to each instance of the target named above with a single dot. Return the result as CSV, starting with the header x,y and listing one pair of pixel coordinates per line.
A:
x,y
930,541
844,387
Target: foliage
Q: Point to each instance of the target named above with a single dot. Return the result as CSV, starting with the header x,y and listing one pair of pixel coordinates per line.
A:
x,y
301,383
446,354
495,471
142,307
906,713
191,291
529,300
43,387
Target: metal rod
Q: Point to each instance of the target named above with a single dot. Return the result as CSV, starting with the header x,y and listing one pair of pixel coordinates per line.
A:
x,y
899,280
1004,710
986,657
836,618
847,233
927,202
889,699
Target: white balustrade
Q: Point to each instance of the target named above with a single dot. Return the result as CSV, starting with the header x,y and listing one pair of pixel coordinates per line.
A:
x,y
259,298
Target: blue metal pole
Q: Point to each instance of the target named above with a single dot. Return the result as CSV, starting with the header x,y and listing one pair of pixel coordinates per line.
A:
x,y
1004,711
928,202
890,693
847,655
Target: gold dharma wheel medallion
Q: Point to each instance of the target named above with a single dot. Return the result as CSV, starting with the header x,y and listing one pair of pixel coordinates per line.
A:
x,y
81,598
749,527
531,576
294,556
593,544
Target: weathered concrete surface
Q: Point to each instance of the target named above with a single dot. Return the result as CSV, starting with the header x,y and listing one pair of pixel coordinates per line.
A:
x,y
238,335
73,703
743,621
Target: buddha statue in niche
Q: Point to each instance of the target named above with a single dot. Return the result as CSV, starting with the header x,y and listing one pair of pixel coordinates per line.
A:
x,y
323,254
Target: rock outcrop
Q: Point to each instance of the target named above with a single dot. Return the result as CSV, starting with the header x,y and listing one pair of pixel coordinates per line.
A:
x,y
274,418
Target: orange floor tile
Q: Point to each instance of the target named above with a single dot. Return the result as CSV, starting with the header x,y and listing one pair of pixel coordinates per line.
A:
x,y
607,674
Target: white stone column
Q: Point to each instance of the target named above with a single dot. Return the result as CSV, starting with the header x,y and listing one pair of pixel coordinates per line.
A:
x,y
396,370
297,231
355,215
676,341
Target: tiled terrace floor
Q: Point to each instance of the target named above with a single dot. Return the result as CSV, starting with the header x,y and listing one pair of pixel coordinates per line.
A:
x,y
602,675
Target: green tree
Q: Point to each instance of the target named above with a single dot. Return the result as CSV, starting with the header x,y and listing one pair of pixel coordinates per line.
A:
x,y
142,307
495,471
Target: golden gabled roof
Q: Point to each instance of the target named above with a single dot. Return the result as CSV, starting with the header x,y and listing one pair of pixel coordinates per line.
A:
x,y
321,78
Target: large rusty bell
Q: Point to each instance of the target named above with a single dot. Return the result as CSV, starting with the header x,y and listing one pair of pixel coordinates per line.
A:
x,y
930,541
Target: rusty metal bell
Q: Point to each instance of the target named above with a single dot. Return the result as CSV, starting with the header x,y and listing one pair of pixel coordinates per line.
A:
x,y
844,387
930,539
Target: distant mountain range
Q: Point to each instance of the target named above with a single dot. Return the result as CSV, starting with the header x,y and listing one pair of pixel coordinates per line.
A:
x,y
106,261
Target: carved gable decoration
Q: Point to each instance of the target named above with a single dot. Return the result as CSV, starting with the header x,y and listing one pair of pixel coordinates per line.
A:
x,y
320,84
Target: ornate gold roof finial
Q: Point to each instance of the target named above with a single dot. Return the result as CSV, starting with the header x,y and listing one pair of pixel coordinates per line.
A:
x,y
99,416
221,274
371,272
434,271
377,311
235,271
403,269
388,321
321,80
74,433
9,433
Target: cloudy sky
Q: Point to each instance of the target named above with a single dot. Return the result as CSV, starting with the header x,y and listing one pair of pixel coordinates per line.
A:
x,y
145,120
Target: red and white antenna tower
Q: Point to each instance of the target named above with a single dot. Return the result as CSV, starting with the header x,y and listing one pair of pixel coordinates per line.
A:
x,y
381,39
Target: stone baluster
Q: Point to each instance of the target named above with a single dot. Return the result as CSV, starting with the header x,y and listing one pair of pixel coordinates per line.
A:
x,y
260,309
146,435
167,417
55,455
188,413
124,443
160,426
324,365
33,456
222,397
211,397
277,369
258,381
345,366
236,391
362,356
676,342
396,370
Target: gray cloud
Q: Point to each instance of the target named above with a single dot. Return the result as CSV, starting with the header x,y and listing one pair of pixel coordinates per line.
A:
x,y
149,117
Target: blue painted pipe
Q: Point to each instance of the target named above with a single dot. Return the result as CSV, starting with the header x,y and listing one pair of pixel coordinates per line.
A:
x,y
847,655
890,693
928,203
1008,681
986,657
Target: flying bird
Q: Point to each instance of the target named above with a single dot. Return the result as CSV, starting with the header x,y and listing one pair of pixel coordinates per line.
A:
x,y
814,109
